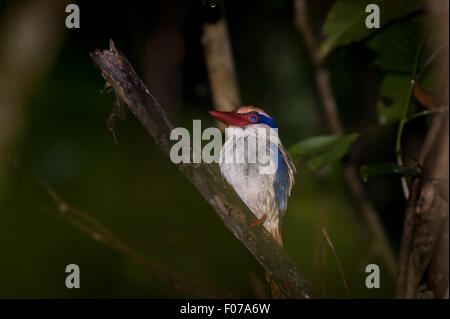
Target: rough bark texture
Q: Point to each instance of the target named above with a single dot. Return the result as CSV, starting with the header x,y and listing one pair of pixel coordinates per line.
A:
x,y
424,248
130,89
423,257
223,83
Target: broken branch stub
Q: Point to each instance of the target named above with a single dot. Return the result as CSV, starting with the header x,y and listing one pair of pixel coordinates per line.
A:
x,y
130,89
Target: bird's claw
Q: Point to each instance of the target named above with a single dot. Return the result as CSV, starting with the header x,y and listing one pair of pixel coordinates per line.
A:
x,y
259,221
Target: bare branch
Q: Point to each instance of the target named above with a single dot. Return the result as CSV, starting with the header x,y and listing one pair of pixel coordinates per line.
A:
x,y
322,279
427,216
98,232
26,55
330,243
220,66
328,103
423,256
129,88
325,93
223,84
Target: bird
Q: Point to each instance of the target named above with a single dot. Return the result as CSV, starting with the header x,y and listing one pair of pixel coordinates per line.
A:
x,y
265,194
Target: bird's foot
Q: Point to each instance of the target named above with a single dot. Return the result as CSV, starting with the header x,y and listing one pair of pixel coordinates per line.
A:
x,y
259,221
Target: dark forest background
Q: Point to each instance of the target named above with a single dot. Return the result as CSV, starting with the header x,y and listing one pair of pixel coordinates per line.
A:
x,y
57,130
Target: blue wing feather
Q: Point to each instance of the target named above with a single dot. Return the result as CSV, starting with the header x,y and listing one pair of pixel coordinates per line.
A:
x,y
283,183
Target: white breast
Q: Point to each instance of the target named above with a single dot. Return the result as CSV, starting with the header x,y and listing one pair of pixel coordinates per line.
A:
x,y
256,189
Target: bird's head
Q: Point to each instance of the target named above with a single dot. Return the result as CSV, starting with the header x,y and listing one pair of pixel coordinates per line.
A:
x,y
243,116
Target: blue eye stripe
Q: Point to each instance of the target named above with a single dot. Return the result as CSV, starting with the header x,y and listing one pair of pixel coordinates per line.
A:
x,y
267,120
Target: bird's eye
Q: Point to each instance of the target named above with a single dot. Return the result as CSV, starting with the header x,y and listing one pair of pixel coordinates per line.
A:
x,y
253,118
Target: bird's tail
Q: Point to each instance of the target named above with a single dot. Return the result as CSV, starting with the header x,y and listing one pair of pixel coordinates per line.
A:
x,y
275,232
274,289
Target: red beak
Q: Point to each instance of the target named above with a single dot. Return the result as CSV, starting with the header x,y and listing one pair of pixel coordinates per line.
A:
x,y
230,118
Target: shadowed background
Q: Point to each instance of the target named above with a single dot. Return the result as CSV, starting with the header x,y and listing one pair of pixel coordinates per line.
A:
x,y
132,187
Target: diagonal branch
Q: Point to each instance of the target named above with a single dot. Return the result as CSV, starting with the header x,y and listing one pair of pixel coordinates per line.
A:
x,y
425,228
333,250
328,104
223,81
100,233
423,257
130,89
220,65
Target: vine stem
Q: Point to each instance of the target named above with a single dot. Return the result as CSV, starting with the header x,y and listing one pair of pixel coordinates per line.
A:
x,y
403,120
328,104
426,112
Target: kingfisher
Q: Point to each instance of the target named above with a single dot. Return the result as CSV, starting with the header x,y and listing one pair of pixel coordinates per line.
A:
x,y
265,194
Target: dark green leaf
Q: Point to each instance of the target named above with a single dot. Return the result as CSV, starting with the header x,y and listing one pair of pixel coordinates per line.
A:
x,y
319,151
394,93
345,22
386,169
397,48
397,45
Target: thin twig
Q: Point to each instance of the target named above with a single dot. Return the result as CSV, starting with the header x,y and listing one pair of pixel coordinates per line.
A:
x,y
97,231
328,104
330,243
398,144
322,279
325,93
432,58
425,113
27,56
426,212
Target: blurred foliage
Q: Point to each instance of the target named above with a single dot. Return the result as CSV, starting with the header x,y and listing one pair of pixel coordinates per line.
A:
x,y
345,22
394,92
386,169
319,151
134,190
397,45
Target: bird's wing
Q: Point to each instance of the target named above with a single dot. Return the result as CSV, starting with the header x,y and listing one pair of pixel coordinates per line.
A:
x,y
284,178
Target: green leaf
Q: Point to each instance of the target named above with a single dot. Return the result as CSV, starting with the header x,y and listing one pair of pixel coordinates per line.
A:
x,y
394,92
319,151
397,48
345,22
386,169
398,44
